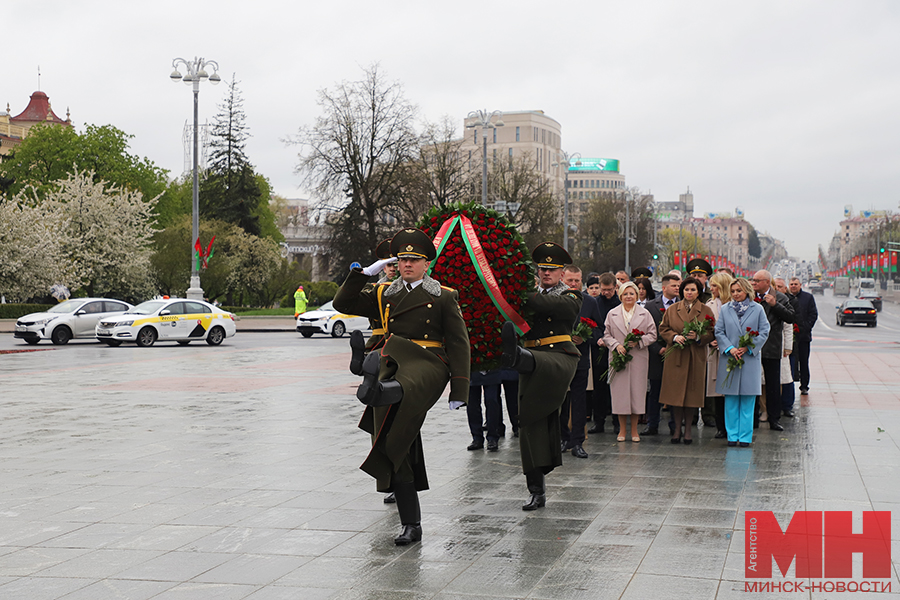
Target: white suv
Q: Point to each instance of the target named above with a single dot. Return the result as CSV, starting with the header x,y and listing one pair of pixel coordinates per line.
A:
x,y
76,318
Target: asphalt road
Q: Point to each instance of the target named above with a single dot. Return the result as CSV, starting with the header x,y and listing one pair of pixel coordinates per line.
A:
x,y
827,335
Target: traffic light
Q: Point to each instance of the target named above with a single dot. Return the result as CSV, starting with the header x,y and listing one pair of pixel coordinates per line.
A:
x,y
882,251
655,256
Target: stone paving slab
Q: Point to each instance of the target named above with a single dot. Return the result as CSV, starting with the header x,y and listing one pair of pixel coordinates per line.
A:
x,y
232,472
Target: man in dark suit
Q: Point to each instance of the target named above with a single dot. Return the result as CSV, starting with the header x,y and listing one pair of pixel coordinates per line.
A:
x,y
807,315
778,312
575,403
657,307
606,301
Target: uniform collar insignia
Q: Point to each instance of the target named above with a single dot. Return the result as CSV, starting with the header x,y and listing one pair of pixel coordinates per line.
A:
x,y
558,290
428,284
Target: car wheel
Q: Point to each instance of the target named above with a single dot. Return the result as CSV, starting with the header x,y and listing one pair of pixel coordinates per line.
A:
x,y
306,334
31,341
215,336
61,335
112,343
338,330
184,342
146,337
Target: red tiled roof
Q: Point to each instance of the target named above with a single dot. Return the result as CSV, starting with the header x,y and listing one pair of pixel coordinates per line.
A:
x,y
37,110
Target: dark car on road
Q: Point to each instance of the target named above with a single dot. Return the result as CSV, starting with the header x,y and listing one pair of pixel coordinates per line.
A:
x,y
872,296
857,311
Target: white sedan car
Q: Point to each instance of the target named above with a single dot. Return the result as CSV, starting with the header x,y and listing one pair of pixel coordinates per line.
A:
x,y
170,319
74,318
326,319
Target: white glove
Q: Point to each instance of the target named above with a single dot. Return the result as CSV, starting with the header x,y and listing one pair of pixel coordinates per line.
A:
x,y
454,404
378,266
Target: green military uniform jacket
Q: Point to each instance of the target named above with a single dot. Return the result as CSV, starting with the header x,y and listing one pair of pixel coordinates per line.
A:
x,y
542,392
429,313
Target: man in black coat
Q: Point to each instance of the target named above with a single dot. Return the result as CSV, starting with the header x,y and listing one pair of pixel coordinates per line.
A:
x,y
657,307
606,301
778,312
807,315
575,403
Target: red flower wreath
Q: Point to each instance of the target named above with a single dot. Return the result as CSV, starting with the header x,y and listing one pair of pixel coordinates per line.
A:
x,y
509,260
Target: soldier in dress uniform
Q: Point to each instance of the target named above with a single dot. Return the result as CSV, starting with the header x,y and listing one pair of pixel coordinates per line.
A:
x,y
358,345
426,344
546,365
641,272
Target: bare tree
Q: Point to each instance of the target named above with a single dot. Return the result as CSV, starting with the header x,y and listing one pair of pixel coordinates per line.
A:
x,y
355,157
601,236
526,193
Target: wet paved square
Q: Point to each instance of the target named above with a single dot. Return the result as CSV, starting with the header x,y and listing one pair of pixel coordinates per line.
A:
x,y
232,472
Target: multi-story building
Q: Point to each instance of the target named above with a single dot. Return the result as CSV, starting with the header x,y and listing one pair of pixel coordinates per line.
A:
x,y
530,134
722,233
855,231
14,129
589,179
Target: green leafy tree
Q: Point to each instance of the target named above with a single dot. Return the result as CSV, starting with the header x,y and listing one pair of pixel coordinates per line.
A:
x,y
51,153
231,190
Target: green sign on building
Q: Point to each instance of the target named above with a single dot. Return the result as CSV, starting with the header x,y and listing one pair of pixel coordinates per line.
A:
x,y
596,164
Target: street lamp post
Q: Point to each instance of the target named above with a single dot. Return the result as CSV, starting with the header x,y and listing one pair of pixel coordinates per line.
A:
x,y
566,159
484,119
196,72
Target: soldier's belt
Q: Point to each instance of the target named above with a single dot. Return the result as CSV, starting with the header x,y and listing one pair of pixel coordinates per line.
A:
x,y
553,339
378,332
427,343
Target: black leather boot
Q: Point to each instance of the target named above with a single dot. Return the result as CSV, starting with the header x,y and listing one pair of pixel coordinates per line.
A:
x,y
410,513
372,392
357,352
514,357
535,481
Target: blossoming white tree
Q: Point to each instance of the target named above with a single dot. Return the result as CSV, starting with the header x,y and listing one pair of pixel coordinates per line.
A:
x,y
32,256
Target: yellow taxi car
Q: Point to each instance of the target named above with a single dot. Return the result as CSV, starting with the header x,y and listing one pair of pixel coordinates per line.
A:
x,y
169,319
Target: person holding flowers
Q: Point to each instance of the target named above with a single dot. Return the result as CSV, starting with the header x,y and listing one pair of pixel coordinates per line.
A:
x,y
687,328
629,330
741,332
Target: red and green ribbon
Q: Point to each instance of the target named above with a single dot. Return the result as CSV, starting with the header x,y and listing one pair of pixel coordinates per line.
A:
x,y
481,264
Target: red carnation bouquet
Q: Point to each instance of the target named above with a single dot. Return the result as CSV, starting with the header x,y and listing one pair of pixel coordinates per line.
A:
x,y
700,326
745,341
618,362
482,256
584,328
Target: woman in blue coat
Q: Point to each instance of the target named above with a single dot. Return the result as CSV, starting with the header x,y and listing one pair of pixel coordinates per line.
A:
x,y
743,384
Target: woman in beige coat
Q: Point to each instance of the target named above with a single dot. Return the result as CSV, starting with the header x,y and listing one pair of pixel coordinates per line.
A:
x,y
720,288
684,369
628,388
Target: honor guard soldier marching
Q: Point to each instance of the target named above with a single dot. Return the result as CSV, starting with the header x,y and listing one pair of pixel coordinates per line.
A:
x,y
546,366
362,347
426,344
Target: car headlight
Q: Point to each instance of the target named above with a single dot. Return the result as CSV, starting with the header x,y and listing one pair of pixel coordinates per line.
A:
x,y
43,322
124,323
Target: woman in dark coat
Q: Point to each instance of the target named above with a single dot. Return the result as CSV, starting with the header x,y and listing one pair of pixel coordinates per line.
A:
x,y
684,369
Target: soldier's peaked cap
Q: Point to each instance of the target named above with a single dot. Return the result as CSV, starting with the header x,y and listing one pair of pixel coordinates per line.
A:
x,y
383,250
641,272
698,265
550,256
412,243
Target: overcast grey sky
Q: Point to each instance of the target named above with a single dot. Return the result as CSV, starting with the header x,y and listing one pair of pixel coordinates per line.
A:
x,y
789,110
